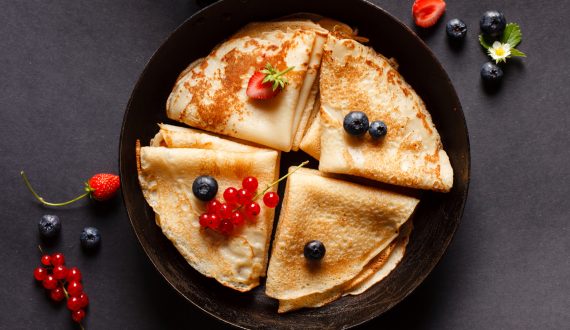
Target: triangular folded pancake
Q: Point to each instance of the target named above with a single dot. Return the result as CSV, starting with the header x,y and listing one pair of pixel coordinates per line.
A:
x,y
375,271
355,78
171,136
166,176
211,94
354,222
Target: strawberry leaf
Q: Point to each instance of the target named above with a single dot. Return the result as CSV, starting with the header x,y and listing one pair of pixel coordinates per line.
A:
x,y
484,42
512,35
516,52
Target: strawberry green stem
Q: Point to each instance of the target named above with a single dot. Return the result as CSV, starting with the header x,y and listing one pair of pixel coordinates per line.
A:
x,y
284,71
279,180
27,182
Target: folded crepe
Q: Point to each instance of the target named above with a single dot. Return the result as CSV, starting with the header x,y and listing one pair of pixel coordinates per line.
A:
x,y
211,93
355,78
183,137
166,174
358,226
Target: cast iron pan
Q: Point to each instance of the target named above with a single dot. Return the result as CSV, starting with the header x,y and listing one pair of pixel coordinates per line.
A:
x,y
436,218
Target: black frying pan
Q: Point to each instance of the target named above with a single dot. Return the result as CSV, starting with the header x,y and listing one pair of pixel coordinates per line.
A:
x,y
436,218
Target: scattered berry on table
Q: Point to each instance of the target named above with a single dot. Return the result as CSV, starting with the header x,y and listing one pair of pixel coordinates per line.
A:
x,y
46,260
100,187
427,12
90,238
49,226
57,294
57,259
73,303
60,272
50,282
73,274
40,273
492,23
74,288
78,315
456,29
491,73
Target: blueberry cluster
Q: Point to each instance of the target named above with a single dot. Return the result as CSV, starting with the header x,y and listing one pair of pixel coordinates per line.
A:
x,y
356,123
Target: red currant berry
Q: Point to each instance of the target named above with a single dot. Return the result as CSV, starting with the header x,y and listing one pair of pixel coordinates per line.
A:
x,y
40,273
50,282
46,260
224,211
230,195
214,221
57,294
204,219
271,199
250,183
74,288
252,209
244,196
226,227
83,299
213,206
57,259
73,303
60,272
73,274
237,218
78,315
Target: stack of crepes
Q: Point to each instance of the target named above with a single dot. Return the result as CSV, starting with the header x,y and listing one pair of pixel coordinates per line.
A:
x,y
167,169
210,93
364,229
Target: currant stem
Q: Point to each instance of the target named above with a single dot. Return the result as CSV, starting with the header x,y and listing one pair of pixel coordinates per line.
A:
x,y
27,182
279,180
41,250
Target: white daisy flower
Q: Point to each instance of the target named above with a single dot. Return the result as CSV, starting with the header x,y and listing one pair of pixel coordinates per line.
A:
x,y
499,51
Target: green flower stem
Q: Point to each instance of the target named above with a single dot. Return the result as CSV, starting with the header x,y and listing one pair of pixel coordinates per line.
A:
x,y
27,182
280,179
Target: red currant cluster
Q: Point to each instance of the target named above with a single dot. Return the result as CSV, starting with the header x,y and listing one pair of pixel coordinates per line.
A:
x,y
239,205
63,282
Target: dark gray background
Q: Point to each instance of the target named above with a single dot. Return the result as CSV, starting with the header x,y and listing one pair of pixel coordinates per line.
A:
x,y
68,68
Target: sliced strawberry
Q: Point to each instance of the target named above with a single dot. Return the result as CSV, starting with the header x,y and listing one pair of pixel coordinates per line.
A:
x,y
427,12
257,89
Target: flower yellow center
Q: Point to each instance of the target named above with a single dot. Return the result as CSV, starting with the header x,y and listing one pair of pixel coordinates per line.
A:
x,y
500,51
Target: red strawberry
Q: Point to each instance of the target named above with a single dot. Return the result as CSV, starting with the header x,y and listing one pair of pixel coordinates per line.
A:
x,y
427,12
100,187
266,83
103,186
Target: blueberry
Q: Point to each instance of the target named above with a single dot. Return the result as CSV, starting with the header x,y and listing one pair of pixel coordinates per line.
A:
x,y
355,123
456,29
493,23
49,226
205,187
378,129
491,73
90,238
314,250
